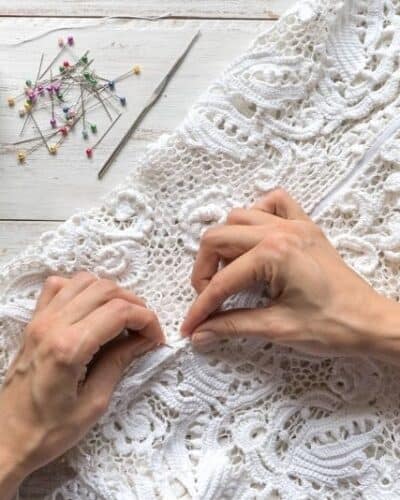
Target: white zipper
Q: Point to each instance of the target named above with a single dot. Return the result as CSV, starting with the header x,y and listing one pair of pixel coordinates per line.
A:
x,y
358,168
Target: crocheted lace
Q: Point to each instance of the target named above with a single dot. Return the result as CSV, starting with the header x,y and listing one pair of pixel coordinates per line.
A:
x,y
313,106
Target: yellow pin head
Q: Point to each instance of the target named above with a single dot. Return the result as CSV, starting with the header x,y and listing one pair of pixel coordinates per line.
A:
x,y
21,155
27,106
53,149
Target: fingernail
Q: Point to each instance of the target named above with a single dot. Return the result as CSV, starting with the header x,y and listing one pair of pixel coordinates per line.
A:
x,y
201,339
184,330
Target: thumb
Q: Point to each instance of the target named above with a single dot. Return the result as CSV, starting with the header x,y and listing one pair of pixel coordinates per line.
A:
x,y
272,324
108,370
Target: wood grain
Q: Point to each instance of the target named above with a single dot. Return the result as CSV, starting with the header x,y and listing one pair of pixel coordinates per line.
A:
x,y
49,187
221,9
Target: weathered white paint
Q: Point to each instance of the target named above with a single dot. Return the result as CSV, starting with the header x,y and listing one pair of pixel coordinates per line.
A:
x,y
253,9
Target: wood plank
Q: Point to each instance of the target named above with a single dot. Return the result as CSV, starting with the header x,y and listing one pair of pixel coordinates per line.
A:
x,y
53,187
228,9
15,236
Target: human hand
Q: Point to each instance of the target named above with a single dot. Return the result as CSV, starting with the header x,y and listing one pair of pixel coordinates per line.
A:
x,y
318,304
51,397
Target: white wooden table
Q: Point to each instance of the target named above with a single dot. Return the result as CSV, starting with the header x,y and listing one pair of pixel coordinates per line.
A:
x,y
36,196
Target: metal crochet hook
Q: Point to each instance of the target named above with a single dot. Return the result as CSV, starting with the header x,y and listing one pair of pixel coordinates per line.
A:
x,y
150,103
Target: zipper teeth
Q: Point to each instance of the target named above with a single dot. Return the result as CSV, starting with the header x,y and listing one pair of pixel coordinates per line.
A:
x,y
358,169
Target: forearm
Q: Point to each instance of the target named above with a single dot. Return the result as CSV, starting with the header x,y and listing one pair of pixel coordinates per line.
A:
x,y
11,476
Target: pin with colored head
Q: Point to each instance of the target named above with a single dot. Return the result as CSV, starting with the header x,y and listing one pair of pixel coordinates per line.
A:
x,y
21,155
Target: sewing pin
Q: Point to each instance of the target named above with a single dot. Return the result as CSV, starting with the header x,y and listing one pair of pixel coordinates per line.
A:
x,y
85,134
39,131
31,139
29,102
89,151
21,155
102,103
53,121
52,62
150,103
27,108
39,69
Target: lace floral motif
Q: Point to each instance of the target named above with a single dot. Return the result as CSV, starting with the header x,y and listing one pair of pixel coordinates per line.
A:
x,y
313,106
209,207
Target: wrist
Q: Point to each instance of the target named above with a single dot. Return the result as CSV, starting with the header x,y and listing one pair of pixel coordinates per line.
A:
x,y
11,475
382,322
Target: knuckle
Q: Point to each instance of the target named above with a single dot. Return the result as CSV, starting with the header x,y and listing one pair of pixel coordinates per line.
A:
x,y
231,328
280,194
150,315
53,282
37,329
100,404
195,281
235,215
61,351
208,237
120,307
280,244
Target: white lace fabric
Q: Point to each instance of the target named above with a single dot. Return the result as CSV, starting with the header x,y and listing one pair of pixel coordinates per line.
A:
x,y
312,106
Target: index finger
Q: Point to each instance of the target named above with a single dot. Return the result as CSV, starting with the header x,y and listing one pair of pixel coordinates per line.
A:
x,y
108,321
278,202
249,268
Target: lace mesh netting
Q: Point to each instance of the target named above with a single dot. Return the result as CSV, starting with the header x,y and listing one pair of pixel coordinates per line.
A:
x,y
312,106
